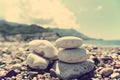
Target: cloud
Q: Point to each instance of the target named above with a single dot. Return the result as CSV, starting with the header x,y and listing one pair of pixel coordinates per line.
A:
x,y
99,8
41,21
42,12
82,10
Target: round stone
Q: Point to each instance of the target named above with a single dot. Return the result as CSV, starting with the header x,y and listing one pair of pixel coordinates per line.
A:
x,y
115,75
43,48
117,65
106,72
36,62
67,71
73,55
68,42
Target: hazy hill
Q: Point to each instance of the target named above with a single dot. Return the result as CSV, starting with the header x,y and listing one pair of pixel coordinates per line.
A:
x,y
9,28
27,31
71,32
33,30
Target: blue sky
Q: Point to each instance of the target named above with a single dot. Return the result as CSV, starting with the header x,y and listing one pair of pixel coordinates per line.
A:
x,y
95,18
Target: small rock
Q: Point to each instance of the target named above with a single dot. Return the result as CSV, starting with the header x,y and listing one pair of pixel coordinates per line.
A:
x,y
24,68
106,72
1,52
34,78
17,71
19,77
47,75
114,56
107,59
25,75
53,73
16,66
40,76
53,78
98,69
117,70
3,73
95,79
115,75
19,54
15,61
106,78
118,52
11,73
33,73
2,64
95,48
117,65
13,78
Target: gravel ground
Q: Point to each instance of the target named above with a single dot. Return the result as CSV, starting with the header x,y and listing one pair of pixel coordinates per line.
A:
x,y
13,67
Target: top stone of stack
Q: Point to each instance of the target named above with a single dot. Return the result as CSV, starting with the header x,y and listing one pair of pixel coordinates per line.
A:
x,y
68,42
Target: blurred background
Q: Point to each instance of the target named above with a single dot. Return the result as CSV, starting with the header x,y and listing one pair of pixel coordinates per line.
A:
x,y
95,21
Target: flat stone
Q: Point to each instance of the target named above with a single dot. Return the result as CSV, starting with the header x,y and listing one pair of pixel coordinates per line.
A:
x,y
106,72
115,75
117,65
118,52
107,78
73,55
43,48
36,61
11,73
107,59
3,73
68,42
67,71
117,70
16,66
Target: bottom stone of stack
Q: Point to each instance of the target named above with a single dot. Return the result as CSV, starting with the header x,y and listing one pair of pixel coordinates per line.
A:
x,y
71,71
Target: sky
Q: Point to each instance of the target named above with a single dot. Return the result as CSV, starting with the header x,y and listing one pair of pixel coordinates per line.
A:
x,y
94,18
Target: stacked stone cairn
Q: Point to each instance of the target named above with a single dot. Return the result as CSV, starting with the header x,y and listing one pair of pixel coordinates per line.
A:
x,y
68,62
42,54
73,60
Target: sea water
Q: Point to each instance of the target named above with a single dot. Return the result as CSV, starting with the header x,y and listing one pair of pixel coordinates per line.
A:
x,y
103,42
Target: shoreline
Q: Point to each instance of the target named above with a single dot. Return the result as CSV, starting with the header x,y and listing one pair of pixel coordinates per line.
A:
x,y
85,44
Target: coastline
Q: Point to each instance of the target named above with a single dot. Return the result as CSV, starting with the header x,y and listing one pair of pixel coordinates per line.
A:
x,y
103,43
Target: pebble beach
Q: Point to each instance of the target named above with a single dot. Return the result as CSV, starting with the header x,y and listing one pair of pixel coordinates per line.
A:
x,y
13,65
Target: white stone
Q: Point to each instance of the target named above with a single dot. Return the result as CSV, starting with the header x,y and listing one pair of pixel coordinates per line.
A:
x,y
68,42
66,71
106,71
44,48
16,66
73,55
36,61
115,75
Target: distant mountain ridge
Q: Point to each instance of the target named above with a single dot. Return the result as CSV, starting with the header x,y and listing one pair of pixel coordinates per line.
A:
x,y
10,28
71,32
33,30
